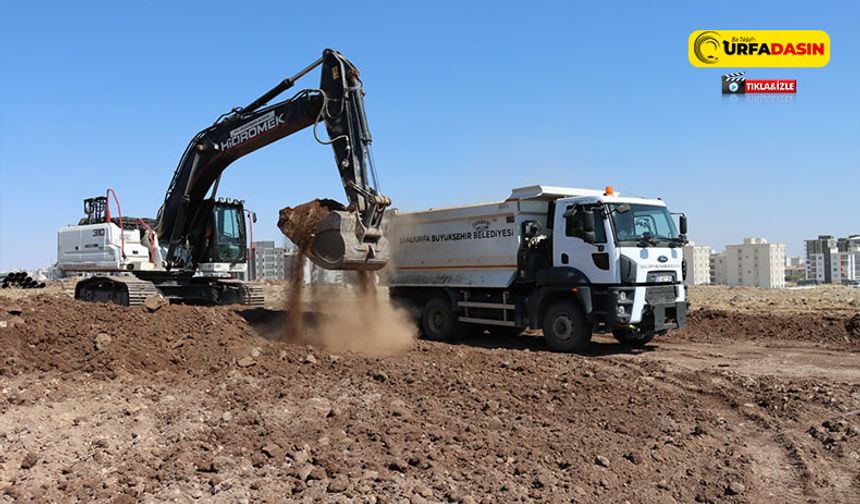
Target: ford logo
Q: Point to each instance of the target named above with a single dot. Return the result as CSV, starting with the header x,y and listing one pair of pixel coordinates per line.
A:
x,y
662,259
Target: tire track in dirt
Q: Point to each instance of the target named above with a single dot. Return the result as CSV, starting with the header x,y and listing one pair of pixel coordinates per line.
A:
x,y
222,413
770,441
787,449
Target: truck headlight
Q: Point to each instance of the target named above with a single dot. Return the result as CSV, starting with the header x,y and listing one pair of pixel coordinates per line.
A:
x,y
622,296
620,310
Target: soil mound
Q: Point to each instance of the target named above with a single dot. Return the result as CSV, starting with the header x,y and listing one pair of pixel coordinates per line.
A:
x,y
709,325
102,403
58,333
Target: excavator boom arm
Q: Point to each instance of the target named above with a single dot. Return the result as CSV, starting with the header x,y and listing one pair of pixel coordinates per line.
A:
x,y
338,103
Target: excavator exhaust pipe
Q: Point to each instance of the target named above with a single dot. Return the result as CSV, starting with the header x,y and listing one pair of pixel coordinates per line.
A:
x,y
336,245
334,238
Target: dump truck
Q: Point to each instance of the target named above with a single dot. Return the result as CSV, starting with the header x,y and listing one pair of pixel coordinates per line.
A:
x,y
563,260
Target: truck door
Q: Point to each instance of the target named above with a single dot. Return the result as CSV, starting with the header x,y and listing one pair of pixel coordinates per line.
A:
x,y
572,245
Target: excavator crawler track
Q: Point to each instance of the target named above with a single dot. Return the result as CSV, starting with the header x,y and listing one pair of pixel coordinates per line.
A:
x,y
252,295
249,294
122,290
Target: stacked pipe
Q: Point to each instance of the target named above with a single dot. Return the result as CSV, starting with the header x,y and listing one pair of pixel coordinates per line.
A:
x,y
21,280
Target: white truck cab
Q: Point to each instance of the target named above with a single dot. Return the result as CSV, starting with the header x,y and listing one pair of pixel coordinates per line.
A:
x,y
565,260
630,244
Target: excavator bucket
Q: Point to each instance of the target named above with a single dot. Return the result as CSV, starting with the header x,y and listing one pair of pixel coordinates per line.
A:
x,y
328,235
337,246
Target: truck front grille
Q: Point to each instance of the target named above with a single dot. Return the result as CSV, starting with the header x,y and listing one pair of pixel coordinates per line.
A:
x,y
660,295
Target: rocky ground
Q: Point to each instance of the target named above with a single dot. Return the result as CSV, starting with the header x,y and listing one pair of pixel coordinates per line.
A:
x,y
757,401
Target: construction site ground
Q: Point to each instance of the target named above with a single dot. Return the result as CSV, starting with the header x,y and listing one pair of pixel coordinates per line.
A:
x,y
758,400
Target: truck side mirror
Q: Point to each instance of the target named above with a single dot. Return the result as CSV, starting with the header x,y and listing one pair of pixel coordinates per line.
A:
x,y
581,223
587,219
531,229
682,223
589,237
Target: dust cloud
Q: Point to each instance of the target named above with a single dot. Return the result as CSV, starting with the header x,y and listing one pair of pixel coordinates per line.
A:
x,y
364,322
358,319
295,315
299,225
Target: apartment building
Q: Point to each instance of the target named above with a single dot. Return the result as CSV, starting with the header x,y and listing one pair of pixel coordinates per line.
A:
x,y
718,273
819,258
698,258
756,263
833,260
267,262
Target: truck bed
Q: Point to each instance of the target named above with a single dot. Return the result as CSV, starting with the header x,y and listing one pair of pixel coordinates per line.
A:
x,y
466,246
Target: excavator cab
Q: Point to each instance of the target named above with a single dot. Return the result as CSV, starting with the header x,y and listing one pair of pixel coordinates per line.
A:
x,y
229,244
219,231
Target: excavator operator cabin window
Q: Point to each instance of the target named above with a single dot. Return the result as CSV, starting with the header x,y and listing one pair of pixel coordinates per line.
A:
x,y
231,242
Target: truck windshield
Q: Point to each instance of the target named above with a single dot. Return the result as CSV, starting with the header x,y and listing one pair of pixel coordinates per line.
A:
x,y
643,224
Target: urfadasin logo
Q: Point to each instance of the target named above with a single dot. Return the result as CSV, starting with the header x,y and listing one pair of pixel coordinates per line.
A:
x,y
737,83
759,48
707,47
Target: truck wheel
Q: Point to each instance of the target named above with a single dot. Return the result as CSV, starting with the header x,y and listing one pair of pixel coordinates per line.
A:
x,y
439,322
565,328
632,338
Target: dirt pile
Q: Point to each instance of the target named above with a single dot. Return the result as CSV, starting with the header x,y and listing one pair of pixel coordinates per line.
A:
x,y
56,333
822,298
191,401
101,403
707,325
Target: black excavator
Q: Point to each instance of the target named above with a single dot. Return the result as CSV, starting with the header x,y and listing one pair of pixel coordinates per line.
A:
x,y
184,253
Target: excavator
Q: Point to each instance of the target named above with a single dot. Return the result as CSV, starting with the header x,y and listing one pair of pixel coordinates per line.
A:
x,y
190,251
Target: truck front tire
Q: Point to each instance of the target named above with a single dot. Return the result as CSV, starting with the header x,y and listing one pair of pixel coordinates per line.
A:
x,y
439,321
565,327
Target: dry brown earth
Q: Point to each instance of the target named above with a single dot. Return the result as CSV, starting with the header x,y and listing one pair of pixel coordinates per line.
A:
x,y
757,401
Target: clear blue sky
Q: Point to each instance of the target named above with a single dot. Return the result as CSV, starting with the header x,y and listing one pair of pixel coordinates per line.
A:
x,y
465,99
